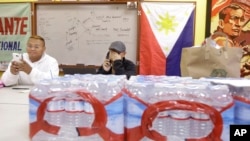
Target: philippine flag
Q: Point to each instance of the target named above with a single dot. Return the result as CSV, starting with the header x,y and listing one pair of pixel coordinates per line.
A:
x,y
165,29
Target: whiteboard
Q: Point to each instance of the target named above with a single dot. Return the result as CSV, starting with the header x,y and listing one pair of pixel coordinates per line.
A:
x,y
82,33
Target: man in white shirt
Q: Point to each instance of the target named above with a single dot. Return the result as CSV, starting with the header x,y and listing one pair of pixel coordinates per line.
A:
x,y
34,66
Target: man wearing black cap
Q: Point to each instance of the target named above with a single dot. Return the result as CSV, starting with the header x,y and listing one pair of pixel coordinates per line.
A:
x,y
115,62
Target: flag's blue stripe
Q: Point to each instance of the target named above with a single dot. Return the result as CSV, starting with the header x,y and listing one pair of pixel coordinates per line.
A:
x,y
186,39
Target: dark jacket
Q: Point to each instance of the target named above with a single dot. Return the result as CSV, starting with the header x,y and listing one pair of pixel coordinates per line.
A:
x,y
120,67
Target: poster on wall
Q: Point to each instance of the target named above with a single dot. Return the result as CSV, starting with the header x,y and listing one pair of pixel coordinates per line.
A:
x,y
232,17
15,29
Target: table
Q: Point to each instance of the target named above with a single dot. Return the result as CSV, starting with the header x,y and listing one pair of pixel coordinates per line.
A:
x,y
14,117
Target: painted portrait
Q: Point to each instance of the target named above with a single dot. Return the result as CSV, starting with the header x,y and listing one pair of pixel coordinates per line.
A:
x,y
232,17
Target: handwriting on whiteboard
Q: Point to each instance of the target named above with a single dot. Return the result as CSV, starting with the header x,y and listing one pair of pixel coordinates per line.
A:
x,y
86,29
96,27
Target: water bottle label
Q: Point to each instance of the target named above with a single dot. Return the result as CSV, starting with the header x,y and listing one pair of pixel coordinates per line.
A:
x,y
74,106
55,105
179,114
200,116
87,107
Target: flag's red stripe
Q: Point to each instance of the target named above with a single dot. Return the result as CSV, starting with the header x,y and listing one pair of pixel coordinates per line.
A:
x,y
152,59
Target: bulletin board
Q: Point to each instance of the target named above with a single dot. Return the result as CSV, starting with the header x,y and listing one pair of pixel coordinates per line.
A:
x,y
80,33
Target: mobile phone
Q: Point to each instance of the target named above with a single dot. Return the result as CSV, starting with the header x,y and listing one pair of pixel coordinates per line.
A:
x,y
17,56
107,56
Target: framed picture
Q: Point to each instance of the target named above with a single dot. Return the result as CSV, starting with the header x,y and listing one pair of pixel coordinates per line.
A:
x,y
231,17
235,24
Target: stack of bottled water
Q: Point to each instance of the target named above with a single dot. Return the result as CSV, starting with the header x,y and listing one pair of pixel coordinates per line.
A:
x,y
238,113
164,107
99,107
241,96
242,106
77,107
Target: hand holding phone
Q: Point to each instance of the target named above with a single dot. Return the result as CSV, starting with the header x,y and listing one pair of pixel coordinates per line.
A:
x,y
106,65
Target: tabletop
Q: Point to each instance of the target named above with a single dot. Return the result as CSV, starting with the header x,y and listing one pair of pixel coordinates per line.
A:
x,y
14,108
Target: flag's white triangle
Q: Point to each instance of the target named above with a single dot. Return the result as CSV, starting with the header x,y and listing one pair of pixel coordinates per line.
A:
x,y
167,21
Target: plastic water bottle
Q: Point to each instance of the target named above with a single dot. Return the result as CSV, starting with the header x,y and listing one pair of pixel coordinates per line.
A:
x,y
56,85
75,112
163,91
41,89
201,125
223,101
44,136
221,96
171,123
180,123
55,109
162,124
114,98
140,90
54,116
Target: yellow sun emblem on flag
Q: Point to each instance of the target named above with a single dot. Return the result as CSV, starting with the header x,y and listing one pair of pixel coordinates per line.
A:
x,y
167,23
